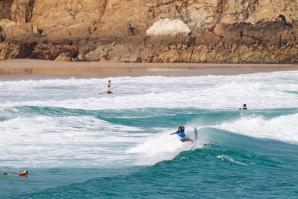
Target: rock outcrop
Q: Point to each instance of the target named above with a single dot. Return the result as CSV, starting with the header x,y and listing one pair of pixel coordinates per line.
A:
x,y
218,31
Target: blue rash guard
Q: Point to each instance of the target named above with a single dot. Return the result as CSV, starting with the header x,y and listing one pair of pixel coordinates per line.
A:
x,y
181,134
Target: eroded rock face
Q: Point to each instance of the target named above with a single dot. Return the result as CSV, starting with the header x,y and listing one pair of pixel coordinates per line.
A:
x,y
53,51
221,31
21,10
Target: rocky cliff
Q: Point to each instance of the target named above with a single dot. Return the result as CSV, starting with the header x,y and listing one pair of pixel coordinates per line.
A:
x,y
221,31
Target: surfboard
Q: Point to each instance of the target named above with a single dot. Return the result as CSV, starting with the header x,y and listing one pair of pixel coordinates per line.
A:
x,y
195,134
108,89
9,174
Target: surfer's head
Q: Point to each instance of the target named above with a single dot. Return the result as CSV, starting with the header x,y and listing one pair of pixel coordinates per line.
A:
x,y
179,128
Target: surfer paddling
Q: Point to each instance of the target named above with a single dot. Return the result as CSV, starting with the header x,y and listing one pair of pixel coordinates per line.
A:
x,y
181,134
22,174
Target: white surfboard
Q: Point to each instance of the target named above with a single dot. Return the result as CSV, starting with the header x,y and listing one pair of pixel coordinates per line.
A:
x,y
108,89
195,134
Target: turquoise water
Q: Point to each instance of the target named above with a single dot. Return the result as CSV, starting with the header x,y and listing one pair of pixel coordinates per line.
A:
x,y
78,144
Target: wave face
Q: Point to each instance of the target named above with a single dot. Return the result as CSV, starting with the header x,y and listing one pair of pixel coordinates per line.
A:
x,y
76,143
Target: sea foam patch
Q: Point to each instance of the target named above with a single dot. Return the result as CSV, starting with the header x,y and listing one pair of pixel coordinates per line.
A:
x,y
168,27
160,147
280,128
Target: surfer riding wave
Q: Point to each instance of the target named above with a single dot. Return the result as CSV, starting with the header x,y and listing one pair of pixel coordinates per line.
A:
x,y
181,134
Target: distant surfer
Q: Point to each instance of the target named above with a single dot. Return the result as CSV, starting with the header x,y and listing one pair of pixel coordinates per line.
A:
x,y
243,107
109,86
22,174
181,134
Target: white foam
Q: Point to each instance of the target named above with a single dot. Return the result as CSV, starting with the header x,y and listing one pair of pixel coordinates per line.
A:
x,y
162,146
224,157
283,128
46,141
67,141
168,27
258,91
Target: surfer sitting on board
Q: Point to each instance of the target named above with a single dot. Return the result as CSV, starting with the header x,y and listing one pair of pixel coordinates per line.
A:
x,y
182,135
109,86
23,174
243,107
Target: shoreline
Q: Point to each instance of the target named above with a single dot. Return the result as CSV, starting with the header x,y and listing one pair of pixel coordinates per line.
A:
x,y
20,67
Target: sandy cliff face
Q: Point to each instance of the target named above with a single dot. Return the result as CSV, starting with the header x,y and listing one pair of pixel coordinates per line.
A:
x,y
223,31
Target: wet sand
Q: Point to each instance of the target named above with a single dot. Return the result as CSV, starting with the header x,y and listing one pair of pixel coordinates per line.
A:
x,y
21,67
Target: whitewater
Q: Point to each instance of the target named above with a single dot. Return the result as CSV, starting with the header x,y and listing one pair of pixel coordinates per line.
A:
x,y
77,143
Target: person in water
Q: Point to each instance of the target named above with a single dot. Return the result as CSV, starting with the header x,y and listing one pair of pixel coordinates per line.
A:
x,y
181,134
23,174
243,107
109,86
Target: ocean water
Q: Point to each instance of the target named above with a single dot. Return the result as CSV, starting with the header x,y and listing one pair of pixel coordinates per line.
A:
x,y
78,144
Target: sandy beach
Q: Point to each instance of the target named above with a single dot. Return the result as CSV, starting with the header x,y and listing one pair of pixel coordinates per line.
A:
x,y
112,69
